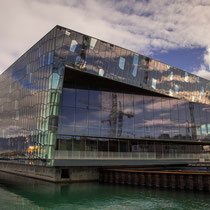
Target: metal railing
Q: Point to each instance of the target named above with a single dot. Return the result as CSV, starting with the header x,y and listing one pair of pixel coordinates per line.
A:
x,y
129,155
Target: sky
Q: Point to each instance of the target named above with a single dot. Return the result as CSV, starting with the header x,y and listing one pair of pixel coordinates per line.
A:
x,y
176,32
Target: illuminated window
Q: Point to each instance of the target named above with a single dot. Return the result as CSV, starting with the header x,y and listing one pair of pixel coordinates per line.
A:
x,y
208,126
176,89
171,76
193,98
73,45
198,131
186,77
201,93
202,90
67,33
168,66
154,81
203,129
101,72
198,79
171,92
206,148
54,81
122,63
92,43
135,65
200,96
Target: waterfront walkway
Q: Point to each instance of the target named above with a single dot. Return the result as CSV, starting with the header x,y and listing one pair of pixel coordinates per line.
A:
x,y
94,158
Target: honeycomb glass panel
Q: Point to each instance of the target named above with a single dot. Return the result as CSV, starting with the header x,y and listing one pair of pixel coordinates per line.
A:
x,y
92,43
73,45
135,65
122,63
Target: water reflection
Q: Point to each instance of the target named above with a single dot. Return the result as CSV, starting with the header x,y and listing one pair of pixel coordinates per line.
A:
x,y
25,193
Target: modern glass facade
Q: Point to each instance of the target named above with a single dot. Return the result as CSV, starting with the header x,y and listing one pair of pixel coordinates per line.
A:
x,y
73,92
29,101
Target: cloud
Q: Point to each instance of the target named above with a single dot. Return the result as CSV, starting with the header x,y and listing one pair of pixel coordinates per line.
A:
x,y
142,26
203,73
207,58
204,70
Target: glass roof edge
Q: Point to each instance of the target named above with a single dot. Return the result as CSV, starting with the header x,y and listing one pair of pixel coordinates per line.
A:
x,y
59,26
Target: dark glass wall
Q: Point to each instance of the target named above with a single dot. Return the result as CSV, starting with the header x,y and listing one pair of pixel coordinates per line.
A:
x,y
106,113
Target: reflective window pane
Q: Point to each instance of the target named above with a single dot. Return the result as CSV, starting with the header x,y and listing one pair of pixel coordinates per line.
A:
x,y
92,43
69,97
81,117
95,99
73,45
122,63
81,98
135,65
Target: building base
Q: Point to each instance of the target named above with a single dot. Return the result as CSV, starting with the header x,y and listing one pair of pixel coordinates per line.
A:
x,y
50,173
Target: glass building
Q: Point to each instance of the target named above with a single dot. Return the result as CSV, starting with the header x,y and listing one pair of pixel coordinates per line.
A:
x,y
72,96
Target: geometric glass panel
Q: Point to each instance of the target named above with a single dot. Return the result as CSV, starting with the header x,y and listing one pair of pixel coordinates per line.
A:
x,y
135,65
122,63
73,45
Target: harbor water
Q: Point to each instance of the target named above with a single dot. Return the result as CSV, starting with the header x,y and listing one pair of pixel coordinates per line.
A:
x,y
18,192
